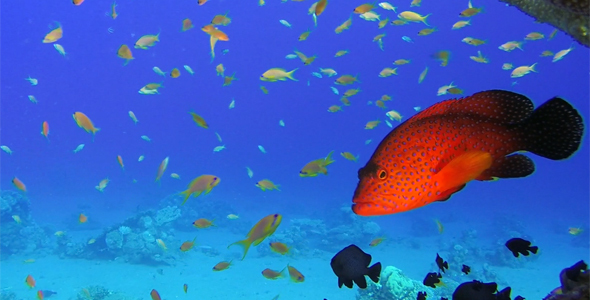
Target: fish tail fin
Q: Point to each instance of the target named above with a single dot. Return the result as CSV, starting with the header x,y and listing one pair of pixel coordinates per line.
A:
x,y
554,130
424,19
532,68
328,160
534,249
375,272
290,74
245,244
186,196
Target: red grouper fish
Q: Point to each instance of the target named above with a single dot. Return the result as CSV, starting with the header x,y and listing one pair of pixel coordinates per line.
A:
x,y
435,153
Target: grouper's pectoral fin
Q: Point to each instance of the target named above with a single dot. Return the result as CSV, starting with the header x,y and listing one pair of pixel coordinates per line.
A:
x,y
460,171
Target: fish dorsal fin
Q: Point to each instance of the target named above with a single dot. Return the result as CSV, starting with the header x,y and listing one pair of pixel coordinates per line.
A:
x,y
493,105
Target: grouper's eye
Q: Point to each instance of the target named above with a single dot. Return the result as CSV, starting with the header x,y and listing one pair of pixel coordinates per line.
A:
x,y
382,174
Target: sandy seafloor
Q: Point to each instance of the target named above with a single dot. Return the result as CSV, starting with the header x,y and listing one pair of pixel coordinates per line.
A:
x,y
243,280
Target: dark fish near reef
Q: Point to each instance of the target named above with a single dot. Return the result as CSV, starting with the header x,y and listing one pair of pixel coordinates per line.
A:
x,y
518,245
466,269
442,265
421,296
435,153
432,279
481,291
352,264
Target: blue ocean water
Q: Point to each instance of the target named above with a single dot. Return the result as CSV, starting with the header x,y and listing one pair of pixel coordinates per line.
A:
x,y
93,80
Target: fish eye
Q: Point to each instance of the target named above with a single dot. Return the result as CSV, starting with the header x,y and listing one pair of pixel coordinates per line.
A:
x,y
382,174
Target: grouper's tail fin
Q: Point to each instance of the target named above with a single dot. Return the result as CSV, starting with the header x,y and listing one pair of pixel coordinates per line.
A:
x,y
554,130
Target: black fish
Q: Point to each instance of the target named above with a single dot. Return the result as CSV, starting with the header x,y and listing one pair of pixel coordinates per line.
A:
x,y
519,298
476,290
352,264
466,269
421,296
504,294
442,265
432,279
518,245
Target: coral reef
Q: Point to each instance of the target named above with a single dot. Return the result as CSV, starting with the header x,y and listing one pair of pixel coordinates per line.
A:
x,y
18,231
310,237
97,292
569,16
575,284
393,284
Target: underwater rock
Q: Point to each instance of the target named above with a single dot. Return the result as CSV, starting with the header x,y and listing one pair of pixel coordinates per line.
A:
x,y
114,240
167,215
575,284
393,285
13,203
7,295
570,16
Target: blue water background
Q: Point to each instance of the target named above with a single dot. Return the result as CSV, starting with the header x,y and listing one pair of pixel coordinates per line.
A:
x,y
93,80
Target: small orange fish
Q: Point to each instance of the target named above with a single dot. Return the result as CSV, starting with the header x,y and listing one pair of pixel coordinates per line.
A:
x,y
222,266
54,35
162,168
271,274
320,7
162,244
295,275
376,241
203,183
84,122
40,295
185,288
439,226
175,73
114,14
77,2
82,218
155,295
435,153
188,245
45,130
125,53
201,2
120,160
279,248
30,281
19,184
199,120
202,223
187,24
263,229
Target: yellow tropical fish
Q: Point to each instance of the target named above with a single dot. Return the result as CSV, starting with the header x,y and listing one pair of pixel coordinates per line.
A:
x,y
318,166
263,229
203,183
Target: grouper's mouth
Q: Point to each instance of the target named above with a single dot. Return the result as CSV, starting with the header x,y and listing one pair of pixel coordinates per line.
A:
x,y
373,205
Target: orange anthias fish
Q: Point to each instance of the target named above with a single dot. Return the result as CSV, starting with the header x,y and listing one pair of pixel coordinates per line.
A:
x,y
188,245
19,184
203,223
155,295
82,218
272,274
203,183
120,161
263,229
84,122
54,35
45,130
30,281
162,168
437,152
295,275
